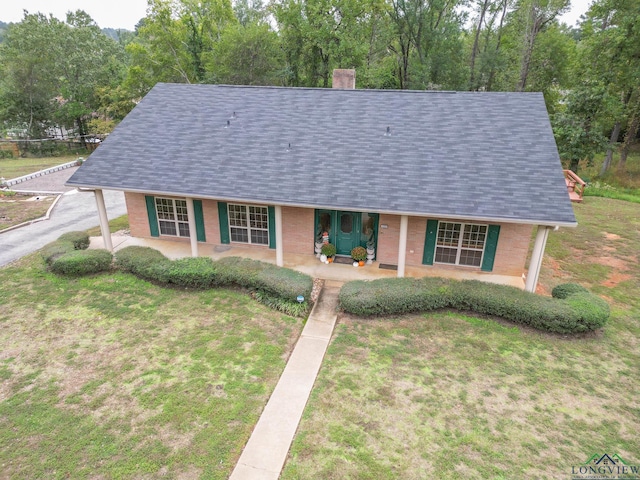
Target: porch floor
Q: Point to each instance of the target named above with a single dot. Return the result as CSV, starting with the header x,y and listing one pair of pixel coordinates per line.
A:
x,y
308,264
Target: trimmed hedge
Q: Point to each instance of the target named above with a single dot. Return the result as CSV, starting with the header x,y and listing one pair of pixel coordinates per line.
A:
x,y
202,272
565,289
140,261
579,312
82,262
54,250
68,255
80,240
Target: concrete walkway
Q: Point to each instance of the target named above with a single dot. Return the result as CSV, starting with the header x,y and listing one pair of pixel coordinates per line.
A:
x,y
266,451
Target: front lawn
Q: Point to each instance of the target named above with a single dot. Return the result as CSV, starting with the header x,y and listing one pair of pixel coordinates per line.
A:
x,y
112,377
451,396
17,209
17,167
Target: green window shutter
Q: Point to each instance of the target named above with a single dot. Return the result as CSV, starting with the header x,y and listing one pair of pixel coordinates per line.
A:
x,y
430,242
197,209
223,215
272,227
153,218
490,246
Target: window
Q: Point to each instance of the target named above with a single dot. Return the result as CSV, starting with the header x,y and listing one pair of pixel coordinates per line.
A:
x,y
249,224
172,217
460,243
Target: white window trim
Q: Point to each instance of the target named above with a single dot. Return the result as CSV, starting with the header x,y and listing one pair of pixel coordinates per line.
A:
x,y
459,247
248,227
175,221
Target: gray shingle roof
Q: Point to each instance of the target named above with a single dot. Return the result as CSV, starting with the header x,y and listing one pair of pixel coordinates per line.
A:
x,y
490,156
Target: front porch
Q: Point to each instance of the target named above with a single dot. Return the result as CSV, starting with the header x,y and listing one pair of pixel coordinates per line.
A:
x,y
305,263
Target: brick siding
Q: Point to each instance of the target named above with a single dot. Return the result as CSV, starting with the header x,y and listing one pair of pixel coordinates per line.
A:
x,y
511,254
298,233
298,230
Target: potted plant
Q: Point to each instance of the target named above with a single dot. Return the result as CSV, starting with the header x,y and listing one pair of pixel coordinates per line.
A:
x,y
371,250
359,254
328,251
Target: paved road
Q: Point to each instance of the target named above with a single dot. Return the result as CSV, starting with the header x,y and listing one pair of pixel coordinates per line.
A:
x,y
74,211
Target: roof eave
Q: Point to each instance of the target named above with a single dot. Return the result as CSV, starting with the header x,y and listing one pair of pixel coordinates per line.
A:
x,y
479,218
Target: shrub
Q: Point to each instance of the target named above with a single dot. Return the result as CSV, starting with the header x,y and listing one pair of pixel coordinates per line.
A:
x,y
202,272
139,260
293,309
565,289
80,240
283,282
579,312
390,296
359,254
589,311
194,272
328,249
54,250
82,262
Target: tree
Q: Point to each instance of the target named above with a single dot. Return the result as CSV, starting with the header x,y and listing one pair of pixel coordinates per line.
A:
x,y
87,61
28,73
610,51
536,15
576,131
248,55
427,41
52,71
319,35
175,41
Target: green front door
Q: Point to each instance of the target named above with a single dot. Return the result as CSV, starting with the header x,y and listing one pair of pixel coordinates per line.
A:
x,y
348,232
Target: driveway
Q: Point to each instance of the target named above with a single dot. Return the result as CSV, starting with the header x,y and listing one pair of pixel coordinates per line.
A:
x,y
74,211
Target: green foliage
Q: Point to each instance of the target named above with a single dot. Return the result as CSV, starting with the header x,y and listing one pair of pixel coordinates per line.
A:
x,y
565,290
139,260
204,273
328,249
82,262
68,255
80,240
54,250
199,272
575,129
43,59
581,311
283,282
359,254
391,296
248,55
288,307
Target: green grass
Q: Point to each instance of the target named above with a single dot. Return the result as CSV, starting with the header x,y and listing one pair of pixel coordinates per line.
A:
x,y
115,225
109,376
451,396
17,167
601,189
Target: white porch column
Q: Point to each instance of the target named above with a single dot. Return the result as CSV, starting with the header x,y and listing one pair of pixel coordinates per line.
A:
x,y
193,234
536,258
402,247
104,220
279,246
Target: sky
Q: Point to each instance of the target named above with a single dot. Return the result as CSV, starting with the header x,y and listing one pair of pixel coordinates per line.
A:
x,y
126,13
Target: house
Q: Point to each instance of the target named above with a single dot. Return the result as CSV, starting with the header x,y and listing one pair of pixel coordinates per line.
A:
x,y
435,179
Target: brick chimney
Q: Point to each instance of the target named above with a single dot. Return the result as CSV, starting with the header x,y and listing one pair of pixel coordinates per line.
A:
x,y
344,78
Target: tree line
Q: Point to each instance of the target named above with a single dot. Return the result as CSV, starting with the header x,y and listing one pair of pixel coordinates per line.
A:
x,y
55,72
